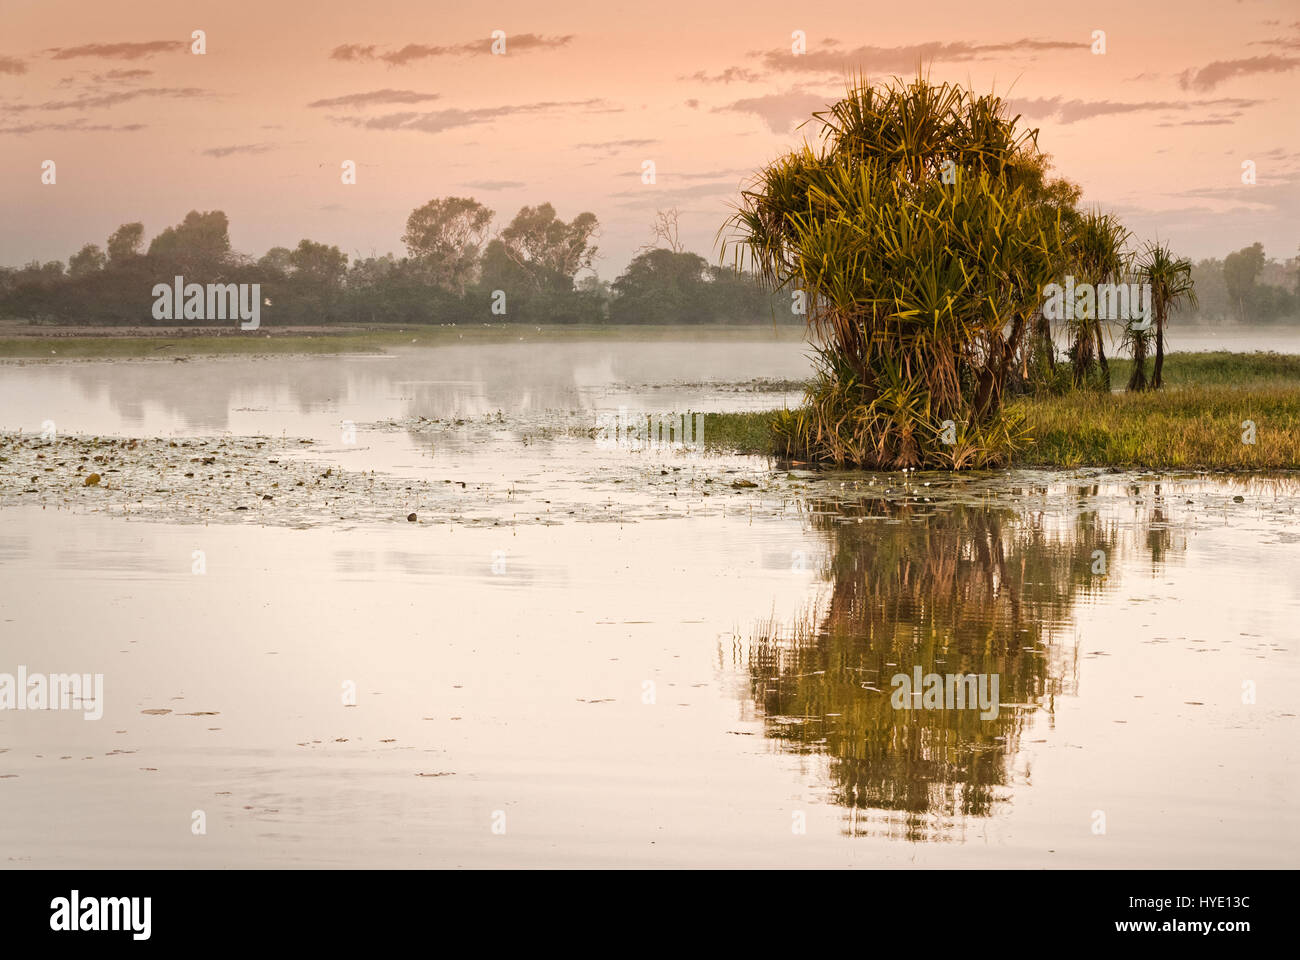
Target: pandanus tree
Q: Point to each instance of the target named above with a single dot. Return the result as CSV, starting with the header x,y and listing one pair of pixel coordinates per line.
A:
x,y
1137,339
1095,245
921,233
1170,279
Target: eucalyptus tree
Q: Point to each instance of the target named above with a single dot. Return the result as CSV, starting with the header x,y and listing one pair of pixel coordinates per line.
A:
x,y
445,238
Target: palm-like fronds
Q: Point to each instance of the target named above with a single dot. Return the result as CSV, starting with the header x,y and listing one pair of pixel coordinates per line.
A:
x,y
1171,284
922,233
1096,248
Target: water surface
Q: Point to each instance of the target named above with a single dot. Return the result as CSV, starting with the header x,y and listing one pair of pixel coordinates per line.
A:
x,y
700,674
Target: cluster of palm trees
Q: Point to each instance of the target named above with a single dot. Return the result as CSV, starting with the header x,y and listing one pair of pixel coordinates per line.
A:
x,y
1170,279
1098,246
922,233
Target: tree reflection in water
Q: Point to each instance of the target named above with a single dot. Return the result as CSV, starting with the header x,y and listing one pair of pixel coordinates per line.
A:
x,y
954,588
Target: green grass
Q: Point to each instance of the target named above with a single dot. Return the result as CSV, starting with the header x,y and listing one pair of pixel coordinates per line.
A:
x,y
113,348
739,432
1194,423
1219,368
64,343
1192,427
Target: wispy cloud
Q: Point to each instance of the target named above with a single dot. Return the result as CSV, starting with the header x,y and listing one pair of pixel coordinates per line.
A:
x,y
375,97
353,51
237,149
412,52
615,144
1286,43
90,102
496,184
1072,111
74,126
663,193
715,174
439,121
903,58
12,65
119,51
121,76
1278,192
1212,122
780,111
729,75
1211,75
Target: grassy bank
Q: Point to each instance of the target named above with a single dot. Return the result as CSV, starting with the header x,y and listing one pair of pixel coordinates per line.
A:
x,y
1220,368
1183,427
1195,423
68,343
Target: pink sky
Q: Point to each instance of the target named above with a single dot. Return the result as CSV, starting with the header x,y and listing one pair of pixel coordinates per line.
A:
x,y
1156,129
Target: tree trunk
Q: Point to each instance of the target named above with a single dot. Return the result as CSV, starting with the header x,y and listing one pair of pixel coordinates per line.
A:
x,y
1082,357
1156,380
1137,382
1044,329
1101,358
988,396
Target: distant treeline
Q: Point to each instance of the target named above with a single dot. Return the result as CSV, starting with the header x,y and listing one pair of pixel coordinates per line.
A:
x,y
537,269
1246,286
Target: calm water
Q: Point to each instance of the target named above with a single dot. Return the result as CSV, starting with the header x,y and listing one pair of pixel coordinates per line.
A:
x,y
703,677
1279,338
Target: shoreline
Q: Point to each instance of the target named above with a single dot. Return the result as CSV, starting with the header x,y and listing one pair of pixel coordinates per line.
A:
x,y
27,342
1219,411
17,343
1201,426
293,482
